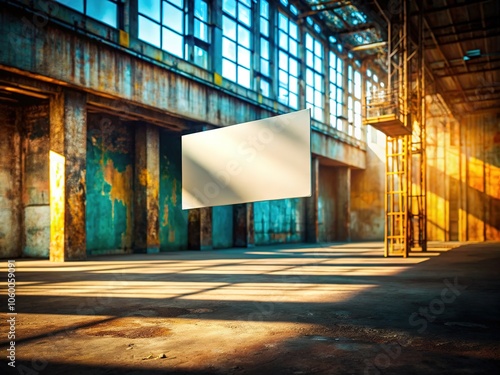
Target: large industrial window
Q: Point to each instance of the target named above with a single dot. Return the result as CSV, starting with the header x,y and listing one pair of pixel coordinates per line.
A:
x,y
105,11
265,49
336,91
374,90
161,23
315,88
288,61
201,33
236,41
354,116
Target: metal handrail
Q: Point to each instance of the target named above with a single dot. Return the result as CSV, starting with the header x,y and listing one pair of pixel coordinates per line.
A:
x,y
382,105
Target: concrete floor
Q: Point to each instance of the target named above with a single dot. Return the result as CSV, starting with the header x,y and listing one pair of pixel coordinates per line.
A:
x,y
302,309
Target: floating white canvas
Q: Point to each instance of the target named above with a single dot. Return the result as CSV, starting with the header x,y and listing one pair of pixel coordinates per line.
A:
x,y
254,161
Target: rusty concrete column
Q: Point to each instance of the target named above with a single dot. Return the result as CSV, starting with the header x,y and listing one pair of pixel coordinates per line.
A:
x,y
243,225
312,226
68,153
343,204
147,186
200,229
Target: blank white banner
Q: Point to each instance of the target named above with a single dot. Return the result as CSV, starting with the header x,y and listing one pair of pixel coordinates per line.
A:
x,y
255,161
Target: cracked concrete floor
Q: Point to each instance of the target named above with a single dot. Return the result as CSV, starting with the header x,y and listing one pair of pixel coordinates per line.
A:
x,y
295,309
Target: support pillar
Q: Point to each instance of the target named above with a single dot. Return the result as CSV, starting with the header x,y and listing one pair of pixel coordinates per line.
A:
x,y
312,225
68,153
343,218
147,186
200,229
243,225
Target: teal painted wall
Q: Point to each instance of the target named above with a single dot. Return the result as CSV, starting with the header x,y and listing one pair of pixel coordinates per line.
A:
x,y
222,227
173,220
279,221
110,166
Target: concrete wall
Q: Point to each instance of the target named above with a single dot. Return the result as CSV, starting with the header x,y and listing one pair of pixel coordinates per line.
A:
x,y
36,196
367,192
10,184
327,204
173,220
110,165
280,221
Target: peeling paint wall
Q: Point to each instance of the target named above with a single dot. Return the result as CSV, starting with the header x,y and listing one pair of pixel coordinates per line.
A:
x,y
110,166
173,220
280,221
222,227
10,184
36,196
367,192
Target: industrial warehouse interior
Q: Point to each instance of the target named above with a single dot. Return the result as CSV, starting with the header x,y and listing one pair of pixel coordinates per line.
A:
x,y
390,266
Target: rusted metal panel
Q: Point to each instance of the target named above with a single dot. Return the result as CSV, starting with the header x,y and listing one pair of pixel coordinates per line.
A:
x,y
110,166
10,184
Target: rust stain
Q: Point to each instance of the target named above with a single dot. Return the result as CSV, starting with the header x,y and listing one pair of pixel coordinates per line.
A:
x,y
144,178
165,216
174,192
121,186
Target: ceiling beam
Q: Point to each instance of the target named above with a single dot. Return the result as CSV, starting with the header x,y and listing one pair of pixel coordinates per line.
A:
x,y
454,74
490,89
460,24
482,37
476,61
453,6
475,101
460,32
